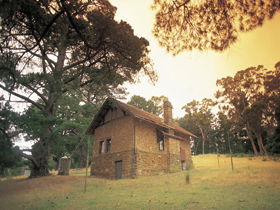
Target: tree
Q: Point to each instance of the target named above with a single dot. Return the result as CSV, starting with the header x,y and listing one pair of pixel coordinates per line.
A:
x,y
210,24
8,156
153,105
199,114
228,135
272,88
70,123
49,48
250,102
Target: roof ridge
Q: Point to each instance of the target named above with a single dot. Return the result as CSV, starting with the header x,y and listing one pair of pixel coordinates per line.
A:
x,y
134,107
138,113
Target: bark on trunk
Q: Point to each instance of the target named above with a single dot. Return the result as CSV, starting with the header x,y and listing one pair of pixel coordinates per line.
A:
x,y
260,144
40,152
251,140
203,140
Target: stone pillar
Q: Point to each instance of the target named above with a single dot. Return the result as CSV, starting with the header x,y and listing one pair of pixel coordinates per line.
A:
x,y
167,116
64,166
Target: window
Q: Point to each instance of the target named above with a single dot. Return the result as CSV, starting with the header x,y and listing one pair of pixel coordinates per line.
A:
x,y
160,140
108,145
105,146
101,147
161,145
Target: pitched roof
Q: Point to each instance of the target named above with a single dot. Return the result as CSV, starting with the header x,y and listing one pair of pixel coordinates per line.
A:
x,y
135,112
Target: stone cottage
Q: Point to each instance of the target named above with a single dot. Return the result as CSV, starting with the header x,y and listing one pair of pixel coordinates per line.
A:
x,y
129,142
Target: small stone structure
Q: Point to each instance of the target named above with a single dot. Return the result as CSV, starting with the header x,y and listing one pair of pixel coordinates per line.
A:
x,y
129,142
64,166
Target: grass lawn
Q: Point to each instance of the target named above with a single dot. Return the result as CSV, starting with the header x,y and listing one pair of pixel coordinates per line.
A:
x,y
254,184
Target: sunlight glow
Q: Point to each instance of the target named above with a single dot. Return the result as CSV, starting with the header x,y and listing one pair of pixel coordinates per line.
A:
x,y
193,75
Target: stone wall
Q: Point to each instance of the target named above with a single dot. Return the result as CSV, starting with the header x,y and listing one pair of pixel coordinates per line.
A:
x,y
188,155
174,146
135,142
149,159
112,114
121,132
151,163
104,165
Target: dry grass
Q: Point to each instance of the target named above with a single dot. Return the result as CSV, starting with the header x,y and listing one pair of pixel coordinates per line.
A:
x,y
254,184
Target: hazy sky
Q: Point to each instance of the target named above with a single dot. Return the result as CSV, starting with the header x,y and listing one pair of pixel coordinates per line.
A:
x,y
193,75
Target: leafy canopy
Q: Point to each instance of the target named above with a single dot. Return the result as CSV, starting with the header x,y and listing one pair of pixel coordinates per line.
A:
x,y
153,105
52,48
208,24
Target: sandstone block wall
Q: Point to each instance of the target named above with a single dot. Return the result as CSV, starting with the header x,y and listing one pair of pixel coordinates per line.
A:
x,y
104,165
146,137
135,143
149,159
175,163
113,114
188,155
174,146
151,163
121,132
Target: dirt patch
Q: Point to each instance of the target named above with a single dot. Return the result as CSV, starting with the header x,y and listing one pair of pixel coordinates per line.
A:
x,y
18,186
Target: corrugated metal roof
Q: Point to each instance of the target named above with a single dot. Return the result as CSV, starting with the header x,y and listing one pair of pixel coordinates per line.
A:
x,y
138,113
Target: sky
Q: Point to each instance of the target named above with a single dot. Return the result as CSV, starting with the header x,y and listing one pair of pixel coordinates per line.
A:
x,y
192,75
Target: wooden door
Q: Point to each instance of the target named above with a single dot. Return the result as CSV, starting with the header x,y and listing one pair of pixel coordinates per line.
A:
x,y
118,169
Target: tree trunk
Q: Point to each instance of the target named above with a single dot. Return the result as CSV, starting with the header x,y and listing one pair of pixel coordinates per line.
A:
x,y
203,141
251,140
230,151
40,152
1,171
260,144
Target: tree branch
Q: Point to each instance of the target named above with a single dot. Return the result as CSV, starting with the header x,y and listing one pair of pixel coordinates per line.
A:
x,y
39,106
29,157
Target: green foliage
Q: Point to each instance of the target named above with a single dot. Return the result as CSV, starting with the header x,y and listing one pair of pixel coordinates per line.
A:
x,y
69,127
199,119
249,100
273,144
153,105
8,157
53,50
212,24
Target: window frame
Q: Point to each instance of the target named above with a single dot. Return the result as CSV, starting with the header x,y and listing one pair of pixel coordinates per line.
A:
x,y
160,140
161,145
108,145
101,146
105,145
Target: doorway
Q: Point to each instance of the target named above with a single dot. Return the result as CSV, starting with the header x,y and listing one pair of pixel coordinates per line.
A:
x,y
118,169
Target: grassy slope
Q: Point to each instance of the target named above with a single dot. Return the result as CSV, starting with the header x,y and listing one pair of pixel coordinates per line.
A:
x,y
254,184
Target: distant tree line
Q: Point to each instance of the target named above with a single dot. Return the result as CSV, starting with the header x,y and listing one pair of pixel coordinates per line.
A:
x,y
246,118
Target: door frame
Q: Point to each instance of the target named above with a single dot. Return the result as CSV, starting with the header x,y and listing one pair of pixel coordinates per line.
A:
x,y
118,169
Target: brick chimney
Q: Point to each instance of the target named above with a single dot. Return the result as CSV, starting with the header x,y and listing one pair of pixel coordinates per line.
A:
x,y
167,112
